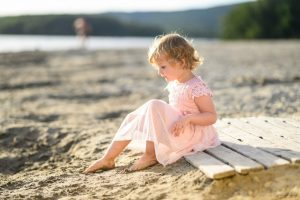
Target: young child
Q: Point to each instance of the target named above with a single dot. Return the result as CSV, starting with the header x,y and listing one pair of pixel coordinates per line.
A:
x,y
171,130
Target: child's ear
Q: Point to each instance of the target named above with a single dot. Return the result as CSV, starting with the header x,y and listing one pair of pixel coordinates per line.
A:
x,y
182,62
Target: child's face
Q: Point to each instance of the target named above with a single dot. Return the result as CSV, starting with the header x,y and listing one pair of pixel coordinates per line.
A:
x,y
168,70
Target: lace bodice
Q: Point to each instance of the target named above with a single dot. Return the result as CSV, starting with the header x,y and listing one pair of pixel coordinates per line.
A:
x,y
181,95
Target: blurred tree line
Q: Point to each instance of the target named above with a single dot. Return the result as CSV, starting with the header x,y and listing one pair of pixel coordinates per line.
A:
x,y
260,19
263,19
63,25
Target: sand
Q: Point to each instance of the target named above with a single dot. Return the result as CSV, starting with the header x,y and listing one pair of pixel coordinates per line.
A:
x,y
60,110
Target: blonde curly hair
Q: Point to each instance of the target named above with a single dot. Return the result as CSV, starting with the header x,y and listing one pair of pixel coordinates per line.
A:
x,y
176,48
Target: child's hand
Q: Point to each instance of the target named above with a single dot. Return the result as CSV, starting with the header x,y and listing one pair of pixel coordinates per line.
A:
x,y
178,127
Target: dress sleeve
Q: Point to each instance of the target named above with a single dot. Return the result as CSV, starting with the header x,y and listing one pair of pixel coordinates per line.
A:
x,y
200,89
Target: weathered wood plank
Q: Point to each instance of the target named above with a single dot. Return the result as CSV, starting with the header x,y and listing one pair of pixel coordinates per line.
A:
x,y
210,166
263,157
240,163
263,134
250,144
277,149
293,122
273,130
280,123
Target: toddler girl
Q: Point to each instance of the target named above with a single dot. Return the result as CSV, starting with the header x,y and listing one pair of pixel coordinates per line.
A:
x,y
171,130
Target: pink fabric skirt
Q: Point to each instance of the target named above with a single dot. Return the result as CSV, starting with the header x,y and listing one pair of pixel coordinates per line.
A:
x,y
152,122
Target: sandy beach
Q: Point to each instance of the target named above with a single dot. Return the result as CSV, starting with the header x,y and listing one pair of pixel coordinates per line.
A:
x,y
59,111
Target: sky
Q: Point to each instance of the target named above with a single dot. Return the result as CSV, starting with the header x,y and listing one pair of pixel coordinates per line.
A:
x,y
20,7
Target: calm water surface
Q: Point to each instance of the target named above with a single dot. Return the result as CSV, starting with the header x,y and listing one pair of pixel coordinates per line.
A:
x,y
14,43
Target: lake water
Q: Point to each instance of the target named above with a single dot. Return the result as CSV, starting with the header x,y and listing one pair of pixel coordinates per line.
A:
x,y
14,43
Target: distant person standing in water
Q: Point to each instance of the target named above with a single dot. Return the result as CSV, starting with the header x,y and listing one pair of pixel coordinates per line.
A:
x,y
82,29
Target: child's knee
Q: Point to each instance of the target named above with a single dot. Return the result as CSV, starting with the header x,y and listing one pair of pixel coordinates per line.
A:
x,y
155,103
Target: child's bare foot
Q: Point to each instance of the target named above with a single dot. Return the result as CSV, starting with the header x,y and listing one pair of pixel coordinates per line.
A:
x,y
144,162
100,164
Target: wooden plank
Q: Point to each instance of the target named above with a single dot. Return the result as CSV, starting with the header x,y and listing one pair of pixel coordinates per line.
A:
x,y
263,157
249,147
280,122
293,122
210,166
240,134
269,128
240,163
274,138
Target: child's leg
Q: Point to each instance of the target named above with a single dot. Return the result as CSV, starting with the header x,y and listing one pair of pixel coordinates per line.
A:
x,y
108,160
115,149
150,151
148,158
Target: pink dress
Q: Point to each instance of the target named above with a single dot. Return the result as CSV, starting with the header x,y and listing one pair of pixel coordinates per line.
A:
x,y
153,120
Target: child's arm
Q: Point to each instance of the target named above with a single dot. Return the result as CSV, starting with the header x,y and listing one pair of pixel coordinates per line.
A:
x,y
207,115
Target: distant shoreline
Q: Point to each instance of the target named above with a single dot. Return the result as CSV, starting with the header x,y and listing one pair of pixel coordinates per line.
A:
x,y
17,43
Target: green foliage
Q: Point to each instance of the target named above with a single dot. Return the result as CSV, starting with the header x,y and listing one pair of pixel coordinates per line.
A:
x,y
263,19
63,25
197,23
45,24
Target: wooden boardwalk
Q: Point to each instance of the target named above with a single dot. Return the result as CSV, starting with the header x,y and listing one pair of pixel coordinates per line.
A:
x,y
250,144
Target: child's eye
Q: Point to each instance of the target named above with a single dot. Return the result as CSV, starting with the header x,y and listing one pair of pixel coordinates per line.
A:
x,y
162,67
